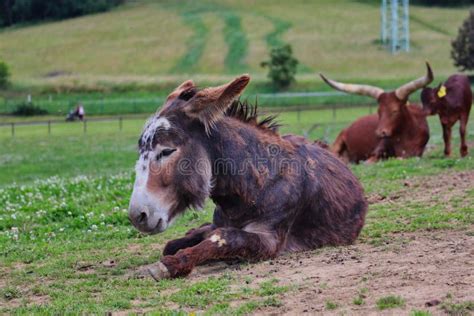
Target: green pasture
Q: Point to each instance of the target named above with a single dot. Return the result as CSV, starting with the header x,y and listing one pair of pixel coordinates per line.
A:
x,y
155,43
66,245
102,148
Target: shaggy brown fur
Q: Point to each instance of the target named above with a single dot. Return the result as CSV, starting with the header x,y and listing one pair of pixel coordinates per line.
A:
x,y
272,194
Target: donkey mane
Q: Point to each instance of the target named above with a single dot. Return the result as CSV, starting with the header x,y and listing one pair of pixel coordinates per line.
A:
x,y
248,113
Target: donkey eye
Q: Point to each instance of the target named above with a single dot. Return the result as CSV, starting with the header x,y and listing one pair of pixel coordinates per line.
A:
x,y
165,152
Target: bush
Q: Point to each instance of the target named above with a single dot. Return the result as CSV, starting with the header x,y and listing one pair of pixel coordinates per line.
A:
x,y
282,66
463,46
29,109
4,74
21,11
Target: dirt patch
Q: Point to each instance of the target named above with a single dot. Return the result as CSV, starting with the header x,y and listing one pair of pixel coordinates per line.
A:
x,y
430,190
419,267
424,268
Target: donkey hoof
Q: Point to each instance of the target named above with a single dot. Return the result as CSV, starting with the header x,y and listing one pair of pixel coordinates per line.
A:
x,y
159,272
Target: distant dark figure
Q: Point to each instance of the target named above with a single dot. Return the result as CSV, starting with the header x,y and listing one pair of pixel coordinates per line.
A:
x,y
77,113
80,113
452,102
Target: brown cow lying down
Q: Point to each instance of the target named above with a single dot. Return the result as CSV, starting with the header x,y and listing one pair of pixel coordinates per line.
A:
x,y
452,102
272,194
398,130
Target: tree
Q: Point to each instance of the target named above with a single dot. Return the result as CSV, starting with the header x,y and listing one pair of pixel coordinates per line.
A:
x,y
463,46
282,66
25,11
4,74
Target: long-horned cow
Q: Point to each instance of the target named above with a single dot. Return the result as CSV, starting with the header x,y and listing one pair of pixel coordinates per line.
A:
x,y
397,130
273,194
452,101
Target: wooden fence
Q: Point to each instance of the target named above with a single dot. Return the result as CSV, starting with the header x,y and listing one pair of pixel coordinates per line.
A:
x,y
48,124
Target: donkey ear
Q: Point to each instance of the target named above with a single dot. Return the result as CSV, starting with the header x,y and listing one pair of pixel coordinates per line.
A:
x,y
208,105
188,84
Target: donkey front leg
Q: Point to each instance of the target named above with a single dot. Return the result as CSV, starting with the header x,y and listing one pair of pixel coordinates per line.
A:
x,y
222,243
192,238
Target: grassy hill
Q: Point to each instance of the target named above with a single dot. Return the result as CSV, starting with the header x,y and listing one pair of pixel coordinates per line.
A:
x,y
166,41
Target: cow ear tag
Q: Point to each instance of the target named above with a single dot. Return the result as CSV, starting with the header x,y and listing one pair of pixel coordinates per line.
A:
x,y
442,92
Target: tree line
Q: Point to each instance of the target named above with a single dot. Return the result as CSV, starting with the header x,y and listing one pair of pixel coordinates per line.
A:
x,y
26,11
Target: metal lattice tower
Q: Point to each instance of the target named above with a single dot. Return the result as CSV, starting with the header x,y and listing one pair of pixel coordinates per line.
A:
x,y
395,30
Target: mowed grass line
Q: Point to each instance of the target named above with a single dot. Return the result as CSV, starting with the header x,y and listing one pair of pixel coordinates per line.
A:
x,y
237,43
280,26
195,43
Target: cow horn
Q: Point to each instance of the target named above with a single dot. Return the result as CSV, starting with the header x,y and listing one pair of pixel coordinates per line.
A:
x,y
366,90
404,91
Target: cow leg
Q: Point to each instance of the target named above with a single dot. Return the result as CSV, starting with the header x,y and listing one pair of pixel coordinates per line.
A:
x,y
222,243
462,132
447,139
192,238
383,150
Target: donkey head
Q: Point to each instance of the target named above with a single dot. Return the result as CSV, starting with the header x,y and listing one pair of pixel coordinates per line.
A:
x,y
392,105
173,171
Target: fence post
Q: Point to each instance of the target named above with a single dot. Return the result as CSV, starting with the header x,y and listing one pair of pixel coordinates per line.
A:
x,y
49,127
84,126
13,129
120,123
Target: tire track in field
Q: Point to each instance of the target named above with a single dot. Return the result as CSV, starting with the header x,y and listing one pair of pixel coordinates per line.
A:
x,y
196,43
233,33
236,41
275,37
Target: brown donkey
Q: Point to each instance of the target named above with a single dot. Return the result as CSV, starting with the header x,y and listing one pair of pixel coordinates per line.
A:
x,y
273,194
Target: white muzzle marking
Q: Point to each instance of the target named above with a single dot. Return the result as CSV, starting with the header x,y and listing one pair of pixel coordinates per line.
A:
x,y
148,210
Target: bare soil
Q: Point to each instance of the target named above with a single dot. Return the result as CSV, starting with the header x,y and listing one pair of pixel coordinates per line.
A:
x,y
422,268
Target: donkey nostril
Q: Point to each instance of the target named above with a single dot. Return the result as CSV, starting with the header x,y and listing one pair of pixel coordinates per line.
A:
x,y
142,218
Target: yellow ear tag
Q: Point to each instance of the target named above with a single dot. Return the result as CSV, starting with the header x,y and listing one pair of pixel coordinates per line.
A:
x,y
442,92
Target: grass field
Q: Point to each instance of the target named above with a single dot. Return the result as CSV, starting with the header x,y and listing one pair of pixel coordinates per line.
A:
x,y
67,247
164,41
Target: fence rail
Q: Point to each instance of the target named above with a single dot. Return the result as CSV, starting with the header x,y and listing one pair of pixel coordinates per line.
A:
x,y
108,104
120,119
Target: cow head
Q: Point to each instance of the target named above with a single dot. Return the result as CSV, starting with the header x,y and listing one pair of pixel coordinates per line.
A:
x,y
174,171
431,100
392,105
